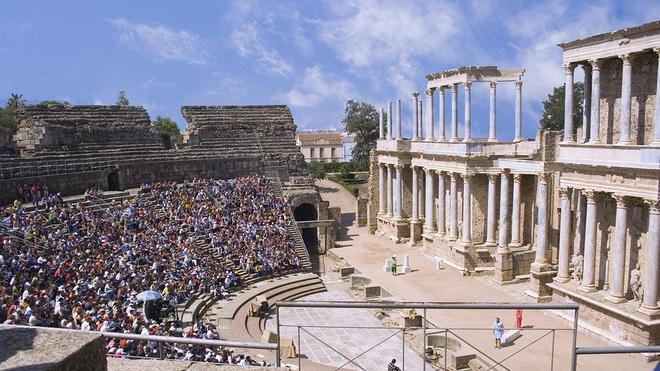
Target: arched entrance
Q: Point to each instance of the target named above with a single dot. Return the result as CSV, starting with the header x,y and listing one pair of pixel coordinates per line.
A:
x,y
307,212
113,181
166,140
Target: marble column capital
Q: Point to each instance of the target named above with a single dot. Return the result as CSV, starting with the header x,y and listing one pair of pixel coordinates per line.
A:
x,y
626,58
441,90
621,201
543,177
399,166
429,91
586,68
492,178
517,177
454,88
569,68
467,85
563,193
595,63
414,95
453,177
657,51
592,196
518,84
654,206
493,84
467,177
505,172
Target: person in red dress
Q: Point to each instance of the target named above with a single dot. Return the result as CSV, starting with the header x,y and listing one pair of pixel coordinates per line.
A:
x,y
518,318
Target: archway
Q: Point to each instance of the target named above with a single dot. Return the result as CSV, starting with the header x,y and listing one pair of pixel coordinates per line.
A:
x,y
166,140
113,181
307,212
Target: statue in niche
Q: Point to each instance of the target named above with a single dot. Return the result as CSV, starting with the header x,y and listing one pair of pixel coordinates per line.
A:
x,y
577,267
636,284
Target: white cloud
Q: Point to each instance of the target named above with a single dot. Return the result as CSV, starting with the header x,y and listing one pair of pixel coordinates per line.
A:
x,y
160,42
316,87
250,45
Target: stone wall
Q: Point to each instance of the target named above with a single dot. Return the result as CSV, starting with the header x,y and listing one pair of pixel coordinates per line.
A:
x,y
361,206
372,192
642,110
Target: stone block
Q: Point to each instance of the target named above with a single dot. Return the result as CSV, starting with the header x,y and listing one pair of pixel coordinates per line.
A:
x,y
413,322
359,281
510,336
372,292
346,271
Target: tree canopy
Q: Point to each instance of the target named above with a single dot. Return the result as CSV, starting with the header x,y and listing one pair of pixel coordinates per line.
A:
x,y
361,119
553,108
8,114
122,100
166,125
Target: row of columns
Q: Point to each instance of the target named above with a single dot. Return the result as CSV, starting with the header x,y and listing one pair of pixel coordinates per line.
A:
x,y
418,118
435,218
591,115
617,267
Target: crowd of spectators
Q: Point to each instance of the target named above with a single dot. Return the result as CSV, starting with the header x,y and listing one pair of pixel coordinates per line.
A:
x,y
37,195
67,266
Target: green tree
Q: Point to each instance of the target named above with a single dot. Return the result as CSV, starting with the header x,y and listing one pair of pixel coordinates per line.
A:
x,y
553,108
8,114
361,120
121,99
316,170
166,125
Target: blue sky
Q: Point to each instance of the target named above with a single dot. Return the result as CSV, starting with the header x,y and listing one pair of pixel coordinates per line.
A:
x,y
311,55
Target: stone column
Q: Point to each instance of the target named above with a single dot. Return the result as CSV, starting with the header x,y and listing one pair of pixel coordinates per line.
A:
x,y
503,246
652,261
568,103
626,86
381,125
468,112
589,270
580,221
421,199
381,189
415,116
390,193
428,221
564,237
398,119
453,212
467,218
656,124
420,118
594,134
542,219
441,113
618,262
415,195
454,112
515,212
390,129
492,134
490,228
429,114
397,193
518,112
586,103
441,204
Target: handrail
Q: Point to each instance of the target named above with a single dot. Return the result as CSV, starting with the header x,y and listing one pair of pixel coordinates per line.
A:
x,y
618,350
425,305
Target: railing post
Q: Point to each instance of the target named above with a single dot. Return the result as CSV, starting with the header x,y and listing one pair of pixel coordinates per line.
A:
x,y
299,348
552,356
424,340
403,349
160,350
446,340
575,330
277,324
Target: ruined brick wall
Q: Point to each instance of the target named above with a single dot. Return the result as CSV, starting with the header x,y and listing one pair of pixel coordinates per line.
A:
x,y
642,111
372,192
265,130
55,127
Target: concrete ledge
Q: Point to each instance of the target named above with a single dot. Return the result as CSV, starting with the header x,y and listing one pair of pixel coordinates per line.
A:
x,y
32,348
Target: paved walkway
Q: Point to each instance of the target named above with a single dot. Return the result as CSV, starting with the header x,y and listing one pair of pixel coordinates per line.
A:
x,y
367,253
336,333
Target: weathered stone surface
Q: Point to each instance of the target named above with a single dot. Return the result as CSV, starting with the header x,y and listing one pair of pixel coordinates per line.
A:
x,y
47,349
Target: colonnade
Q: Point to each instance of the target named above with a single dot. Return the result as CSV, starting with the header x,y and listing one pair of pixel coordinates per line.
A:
x,y
442,223
588,229
591,104
423,126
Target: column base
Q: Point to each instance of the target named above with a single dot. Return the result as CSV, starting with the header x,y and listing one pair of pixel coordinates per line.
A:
x,y
514,244
465,243
560,279
429,231
453,139
451,238
615,299
648,312
517,139
415,232
542,275
429,139
623,142
490,243
589,288
567,141
467,140
492,140
441,139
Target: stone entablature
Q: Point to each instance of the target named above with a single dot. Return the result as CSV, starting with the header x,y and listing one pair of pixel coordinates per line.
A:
x,y
472,73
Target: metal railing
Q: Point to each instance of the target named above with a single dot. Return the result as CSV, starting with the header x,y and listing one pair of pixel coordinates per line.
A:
x,y
424,306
